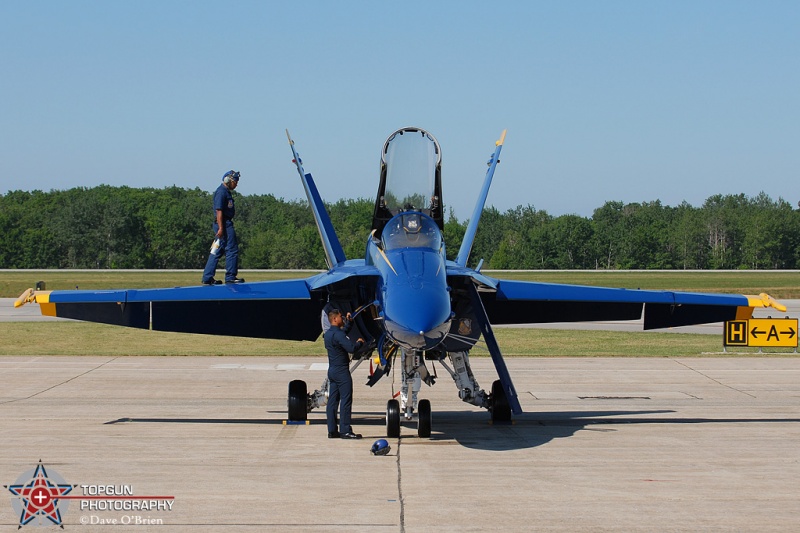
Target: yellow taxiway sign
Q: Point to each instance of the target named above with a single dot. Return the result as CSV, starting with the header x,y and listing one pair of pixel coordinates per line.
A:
x,y
762,332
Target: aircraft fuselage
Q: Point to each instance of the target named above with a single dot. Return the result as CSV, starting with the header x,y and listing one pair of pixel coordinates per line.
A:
x,y
413,295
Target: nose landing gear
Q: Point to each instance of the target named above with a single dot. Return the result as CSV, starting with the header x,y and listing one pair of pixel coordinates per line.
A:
x,y
393,419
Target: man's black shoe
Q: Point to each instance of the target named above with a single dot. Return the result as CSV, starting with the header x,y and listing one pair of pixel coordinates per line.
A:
x,y
235,280
212,281
333,435
351,435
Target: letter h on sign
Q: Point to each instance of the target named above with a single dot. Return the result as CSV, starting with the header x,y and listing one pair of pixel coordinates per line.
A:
x,y
736,333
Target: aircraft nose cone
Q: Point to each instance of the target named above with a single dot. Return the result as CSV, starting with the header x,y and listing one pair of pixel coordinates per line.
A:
x,y
419,318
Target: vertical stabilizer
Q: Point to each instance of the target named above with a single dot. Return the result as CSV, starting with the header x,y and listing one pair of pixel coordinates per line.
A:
x,y
472,228
334,254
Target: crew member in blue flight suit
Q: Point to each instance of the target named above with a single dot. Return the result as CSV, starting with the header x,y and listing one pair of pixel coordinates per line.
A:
x,y
224,211
340,382
326,324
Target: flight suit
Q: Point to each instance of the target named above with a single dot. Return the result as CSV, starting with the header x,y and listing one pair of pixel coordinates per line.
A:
x,y
229,245
340,382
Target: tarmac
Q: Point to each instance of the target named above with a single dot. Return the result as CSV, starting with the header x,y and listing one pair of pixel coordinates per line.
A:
x,y
605,444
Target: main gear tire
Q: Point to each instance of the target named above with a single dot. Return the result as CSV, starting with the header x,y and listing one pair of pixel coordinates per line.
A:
x,y
424,421
501,410
298,401
393,419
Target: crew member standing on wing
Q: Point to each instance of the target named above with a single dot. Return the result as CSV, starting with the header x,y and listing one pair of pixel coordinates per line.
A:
x,y
225,242
340,382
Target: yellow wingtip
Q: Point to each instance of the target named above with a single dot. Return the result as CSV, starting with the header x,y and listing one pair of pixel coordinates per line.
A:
x,y
24,298
30,296
765,300
502,139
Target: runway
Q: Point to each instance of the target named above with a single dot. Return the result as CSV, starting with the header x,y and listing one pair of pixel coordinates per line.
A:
x,y
607,444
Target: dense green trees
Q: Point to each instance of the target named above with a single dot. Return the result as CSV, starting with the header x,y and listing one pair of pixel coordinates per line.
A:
x,y
124,227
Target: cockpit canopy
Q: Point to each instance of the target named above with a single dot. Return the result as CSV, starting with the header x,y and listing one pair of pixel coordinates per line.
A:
x,y
411,158
410,177
411,230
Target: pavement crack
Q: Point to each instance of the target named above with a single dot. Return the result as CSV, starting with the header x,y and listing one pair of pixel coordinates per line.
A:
x,y
400,490
59,384
718,382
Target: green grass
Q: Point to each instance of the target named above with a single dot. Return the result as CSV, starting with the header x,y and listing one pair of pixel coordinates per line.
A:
x,y
81,338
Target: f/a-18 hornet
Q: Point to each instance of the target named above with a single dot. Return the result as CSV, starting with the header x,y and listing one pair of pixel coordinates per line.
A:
x,y
410,303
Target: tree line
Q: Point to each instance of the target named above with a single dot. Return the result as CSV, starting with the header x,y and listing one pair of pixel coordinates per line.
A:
x,y
125,227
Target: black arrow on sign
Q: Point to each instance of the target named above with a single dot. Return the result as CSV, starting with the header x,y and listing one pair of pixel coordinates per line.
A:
x,y
755,333
791,332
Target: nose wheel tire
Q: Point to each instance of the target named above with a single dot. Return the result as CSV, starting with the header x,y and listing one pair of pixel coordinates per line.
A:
x,y
424,422
298,401
501,410
393,419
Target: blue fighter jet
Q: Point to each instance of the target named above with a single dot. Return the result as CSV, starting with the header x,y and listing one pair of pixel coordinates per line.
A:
x,y
410,303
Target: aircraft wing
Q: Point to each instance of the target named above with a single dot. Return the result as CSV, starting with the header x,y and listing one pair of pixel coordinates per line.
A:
x,y
522,302
286,309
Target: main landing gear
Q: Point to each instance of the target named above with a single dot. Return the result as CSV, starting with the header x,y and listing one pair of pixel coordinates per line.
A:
x,y
298,401
392,419
414,371
424,421
301,402
470,392
500,408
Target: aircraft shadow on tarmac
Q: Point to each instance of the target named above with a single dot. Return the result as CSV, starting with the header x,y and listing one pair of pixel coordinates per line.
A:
x,y
533,429
474,430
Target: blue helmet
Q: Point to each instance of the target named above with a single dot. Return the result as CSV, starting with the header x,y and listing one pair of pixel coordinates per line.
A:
x,y
381,447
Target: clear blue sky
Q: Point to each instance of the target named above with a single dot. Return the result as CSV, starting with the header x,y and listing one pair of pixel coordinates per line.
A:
x,y
613,100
